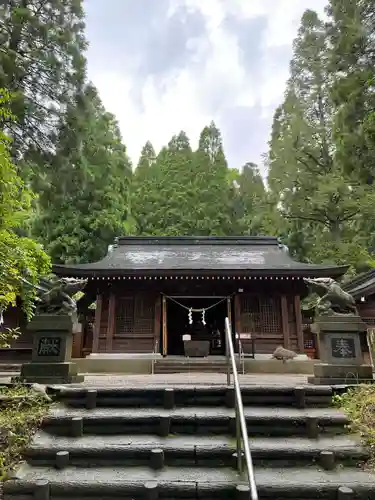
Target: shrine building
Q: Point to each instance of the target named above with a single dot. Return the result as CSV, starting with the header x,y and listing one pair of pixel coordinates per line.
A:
x,y
150,292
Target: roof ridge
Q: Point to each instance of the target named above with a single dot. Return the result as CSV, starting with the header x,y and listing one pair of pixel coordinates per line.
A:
x,y
198,240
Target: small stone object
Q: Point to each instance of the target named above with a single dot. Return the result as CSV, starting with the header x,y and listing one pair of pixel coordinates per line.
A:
x,y
234,459
168,399
164,426
62,459
151,490
242,492
312,427
157,459
345,493
300,395
230,398
77,426
41,389
283,354
91,396
232,426
327,460
41,490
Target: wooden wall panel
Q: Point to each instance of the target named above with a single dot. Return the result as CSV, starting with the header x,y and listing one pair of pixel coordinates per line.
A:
x,y
293,342
285,321
134,326
111,322
299,326
103,325
261,316
367,311
157,323
237,313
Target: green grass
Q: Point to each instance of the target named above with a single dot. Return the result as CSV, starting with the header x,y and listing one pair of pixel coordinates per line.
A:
x,y
21,413
359,405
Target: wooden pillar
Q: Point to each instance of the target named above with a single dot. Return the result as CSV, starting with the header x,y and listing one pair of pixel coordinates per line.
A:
x,y
229,310
165,332
97,321
237,313
157,323
229,315
298,313
111,323
285,321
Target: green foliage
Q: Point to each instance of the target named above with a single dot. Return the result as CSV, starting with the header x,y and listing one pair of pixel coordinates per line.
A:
x,y
22,411
359,405
319,192
19,256
255,209
352,34
7,335
41,63
86,204
185,192
322,203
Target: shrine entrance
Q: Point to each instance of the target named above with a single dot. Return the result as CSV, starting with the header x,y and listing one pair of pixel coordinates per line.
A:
x,y
194,319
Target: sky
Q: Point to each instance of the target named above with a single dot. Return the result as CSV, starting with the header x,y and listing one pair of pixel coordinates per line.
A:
x,y
162,66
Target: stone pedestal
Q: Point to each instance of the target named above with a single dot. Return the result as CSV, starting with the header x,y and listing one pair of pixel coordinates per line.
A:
x,y
52,348
341,353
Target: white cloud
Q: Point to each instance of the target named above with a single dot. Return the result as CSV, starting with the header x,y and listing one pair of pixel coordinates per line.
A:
x,y
213,80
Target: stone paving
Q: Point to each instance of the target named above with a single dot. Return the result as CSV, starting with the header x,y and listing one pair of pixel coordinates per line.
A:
x,y
105,380
191,379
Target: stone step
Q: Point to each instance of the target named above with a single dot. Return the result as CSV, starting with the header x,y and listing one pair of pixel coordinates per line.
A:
x,y
185,482
195,420
10,368
148,397
186,365
215,451
165,369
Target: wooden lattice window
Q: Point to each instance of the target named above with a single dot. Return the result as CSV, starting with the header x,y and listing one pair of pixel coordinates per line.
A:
x,y
144,315
261,314
134,315
309,344
124,315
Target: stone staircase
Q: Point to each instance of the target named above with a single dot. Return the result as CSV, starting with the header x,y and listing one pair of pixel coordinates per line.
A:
x,y
162,443
181,364
10,368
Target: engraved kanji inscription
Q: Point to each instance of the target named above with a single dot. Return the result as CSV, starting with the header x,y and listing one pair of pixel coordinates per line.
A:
x,y
49,346
343,348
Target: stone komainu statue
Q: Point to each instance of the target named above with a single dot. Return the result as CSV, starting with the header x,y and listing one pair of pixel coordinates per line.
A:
x,y
333,300
55,295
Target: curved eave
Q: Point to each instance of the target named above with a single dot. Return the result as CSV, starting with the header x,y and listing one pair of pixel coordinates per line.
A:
x,y
308,271
362,285
362,291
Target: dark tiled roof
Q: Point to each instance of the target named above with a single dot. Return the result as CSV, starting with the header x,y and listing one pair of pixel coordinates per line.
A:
x,y
362,285
204,254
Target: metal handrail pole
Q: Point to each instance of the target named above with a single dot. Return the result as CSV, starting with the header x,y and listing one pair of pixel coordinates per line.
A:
x,y
153,357
238,436
241,414
241,355
227,354
243,362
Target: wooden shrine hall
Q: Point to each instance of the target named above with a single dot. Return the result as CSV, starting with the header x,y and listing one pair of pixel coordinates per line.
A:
x,y
153,293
